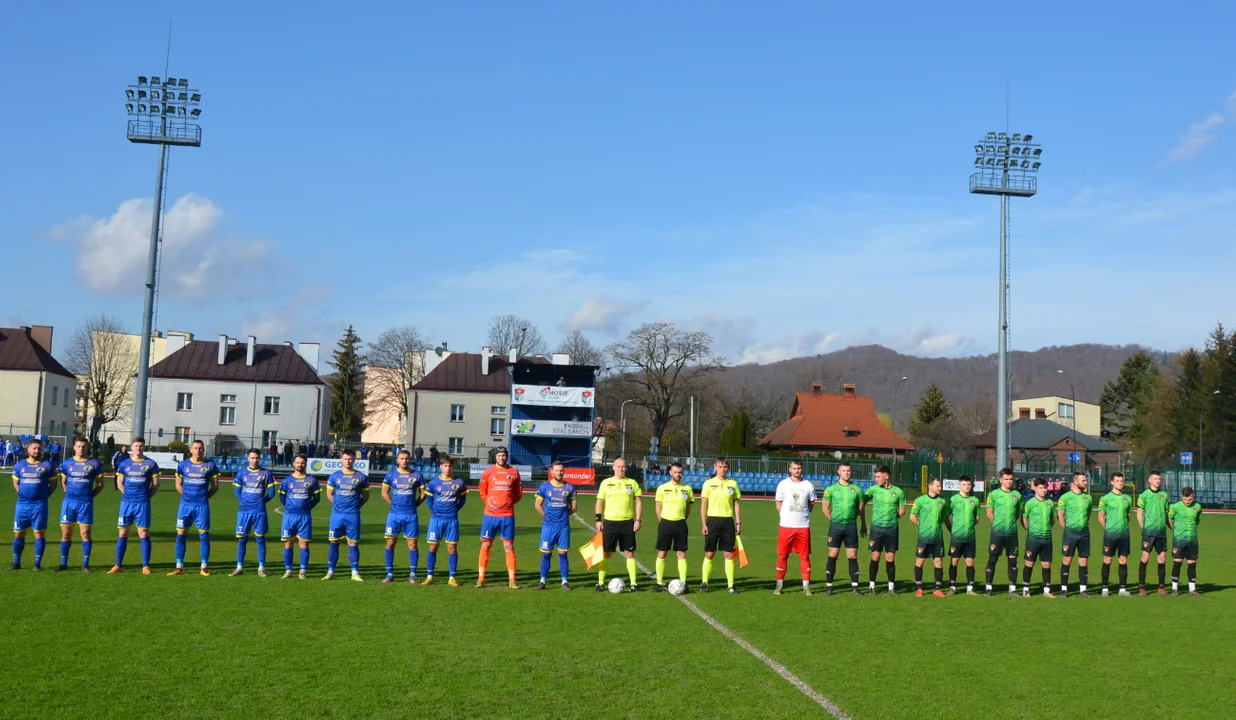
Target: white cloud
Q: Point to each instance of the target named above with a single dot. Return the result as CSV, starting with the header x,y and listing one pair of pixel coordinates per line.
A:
x,y
812,342
1201,134
302,318
920,340
197,261
602,314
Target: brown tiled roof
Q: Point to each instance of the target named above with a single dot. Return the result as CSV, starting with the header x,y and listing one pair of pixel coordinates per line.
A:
x,y
19,352
461,372
199,360
820,421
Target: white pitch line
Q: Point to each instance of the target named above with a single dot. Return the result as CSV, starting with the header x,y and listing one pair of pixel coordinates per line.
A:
x,y
829,706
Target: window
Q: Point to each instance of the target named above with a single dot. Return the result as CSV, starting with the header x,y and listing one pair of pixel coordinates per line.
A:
x,y
181,433
268,437
454,446
457,413
272,405
227,415
498,410
184,401
497,426
1023,413
1066,410
227,398
56,396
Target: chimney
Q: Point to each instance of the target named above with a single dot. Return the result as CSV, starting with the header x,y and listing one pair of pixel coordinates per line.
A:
x,y
309,351
174,343
486,352
41,335
560,359
847,389
249,350
287,343
513,357
817,388
222,348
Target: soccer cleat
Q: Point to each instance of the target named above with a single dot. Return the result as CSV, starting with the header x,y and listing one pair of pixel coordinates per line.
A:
x,y
952,591
261,572
871,591
1047,594
970,591
938,593
427,582
146,570
116,570
987,592
807,592
302,576
86,569
703,587
636,588
776,591
62,567
204,572
1162,591
287,574
1194,593
1104,593
828,590
540,585
856,592
388,579
566,586
1124,593
1025,592
15,566
918,593
37,567
357,578
412,580
1085,594
177,571
658,588
732,590
329,575
600,587
452,582
892,593
1141,592
236,572
513,585
1175,593
479,584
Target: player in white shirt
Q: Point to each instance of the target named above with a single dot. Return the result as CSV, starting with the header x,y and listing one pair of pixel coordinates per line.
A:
x,y
795,499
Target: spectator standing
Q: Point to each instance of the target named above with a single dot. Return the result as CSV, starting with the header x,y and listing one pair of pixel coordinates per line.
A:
x,y
433,455
110,445
313,449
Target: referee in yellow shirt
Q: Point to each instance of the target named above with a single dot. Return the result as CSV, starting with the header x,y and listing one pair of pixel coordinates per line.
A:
x,y
674,500
721,517
618,519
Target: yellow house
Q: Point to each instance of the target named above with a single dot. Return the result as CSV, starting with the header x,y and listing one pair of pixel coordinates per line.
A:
x,y
1060,410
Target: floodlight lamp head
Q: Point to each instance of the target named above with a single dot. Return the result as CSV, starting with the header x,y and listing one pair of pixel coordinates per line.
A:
x,y
154,108
195,97
129,108
1038,152
1016,150
1000,162
180,111
1002,150
1025,164
129,94
977,161
1036,165
171,82
1029,138
184,82
977,148
141,79
196,113
991,161
1003,136
991,136
141,108
991,148
154,79
1016,137
141,94
183,97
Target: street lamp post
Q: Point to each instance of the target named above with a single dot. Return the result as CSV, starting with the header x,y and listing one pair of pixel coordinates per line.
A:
x,y
160,113
893,418
1005,165
622,426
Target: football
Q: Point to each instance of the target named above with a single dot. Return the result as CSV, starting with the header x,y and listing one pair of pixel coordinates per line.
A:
x,y
676,586
617,585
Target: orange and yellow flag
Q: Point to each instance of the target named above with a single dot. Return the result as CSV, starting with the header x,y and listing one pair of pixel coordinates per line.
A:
x,y
742,553
593,551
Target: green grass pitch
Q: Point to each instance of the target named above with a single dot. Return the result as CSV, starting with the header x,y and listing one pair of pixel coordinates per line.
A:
x,y
94,645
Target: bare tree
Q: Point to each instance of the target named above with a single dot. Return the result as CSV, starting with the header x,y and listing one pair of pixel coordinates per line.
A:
x,y
581,350
661,365
395,362
513,331
103,355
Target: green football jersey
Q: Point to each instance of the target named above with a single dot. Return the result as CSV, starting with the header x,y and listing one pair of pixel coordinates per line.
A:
x,y
843,502
884,505
1184,521
1154,512
1076,508
1115,508
1006,508
964,512
1040,516
931,512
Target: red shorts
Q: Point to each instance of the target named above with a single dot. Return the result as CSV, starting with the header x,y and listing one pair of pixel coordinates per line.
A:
x,y
794,540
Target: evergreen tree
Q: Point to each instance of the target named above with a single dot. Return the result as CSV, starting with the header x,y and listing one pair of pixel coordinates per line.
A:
x,y
1124,402
1190,402
347,403
1218,410
929,412
736,438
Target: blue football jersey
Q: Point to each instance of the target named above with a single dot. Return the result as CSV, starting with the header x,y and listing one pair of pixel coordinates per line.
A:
x,y
299,494
34,480
254,487
348,487
557,502
195,479
405,490
80,477
138,478
446,497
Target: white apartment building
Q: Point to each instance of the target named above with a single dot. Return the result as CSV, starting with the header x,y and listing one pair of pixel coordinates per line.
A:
x,y
37,393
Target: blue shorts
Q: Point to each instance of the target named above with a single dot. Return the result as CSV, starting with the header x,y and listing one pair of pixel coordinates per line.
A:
x,y
503,527
558,536
443,530
134,512
343,526
255,522
404,524
298,526
77,511
190,515
30,515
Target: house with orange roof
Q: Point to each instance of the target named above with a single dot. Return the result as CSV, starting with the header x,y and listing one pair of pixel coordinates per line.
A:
x,y
823,423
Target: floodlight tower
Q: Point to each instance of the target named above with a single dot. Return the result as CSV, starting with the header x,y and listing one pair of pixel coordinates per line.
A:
x,y
1005,165
161,113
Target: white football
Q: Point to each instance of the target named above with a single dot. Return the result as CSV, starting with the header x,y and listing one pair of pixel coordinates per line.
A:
x,y
676,587
617,585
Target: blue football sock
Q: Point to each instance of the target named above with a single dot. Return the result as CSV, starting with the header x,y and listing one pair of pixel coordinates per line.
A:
x,y
431,559
287,559
332,556
64,551
452,563
544,566
40,544
19,546
261,542
145,550
390,561
414,557
122,544
182,543
304,558
242,544
354,557
87,546
204,538
564,565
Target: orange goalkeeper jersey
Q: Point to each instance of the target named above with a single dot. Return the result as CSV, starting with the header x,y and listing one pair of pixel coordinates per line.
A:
x,y
500,490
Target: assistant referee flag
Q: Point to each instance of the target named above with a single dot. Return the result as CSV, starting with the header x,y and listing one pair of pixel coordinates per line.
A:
x,y
593,551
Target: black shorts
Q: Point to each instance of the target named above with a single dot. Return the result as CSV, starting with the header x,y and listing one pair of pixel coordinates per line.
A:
x,y
1075,542
1184,551
1117,546
962,548
882,539
840,535
1003,544
1038,548
721,535
672,535
618,535
933,549
1154,543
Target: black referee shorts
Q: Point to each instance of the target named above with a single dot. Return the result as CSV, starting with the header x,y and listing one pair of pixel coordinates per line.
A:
x,y
721,535
672,535
618,535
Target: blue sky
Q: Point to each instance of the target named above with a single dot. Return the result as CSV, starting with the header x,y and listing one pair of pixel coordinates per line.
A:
x,y
791,180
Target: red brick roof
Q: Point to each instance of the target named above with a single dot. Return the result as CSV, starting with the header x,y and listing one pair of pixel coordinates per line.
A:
x,y
199,360
18,351
461,372
834,422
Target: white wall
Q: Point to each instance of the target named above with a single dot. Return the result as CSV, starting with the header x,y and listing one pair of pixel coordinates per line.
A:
x,y
433,418
22,406
300,415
